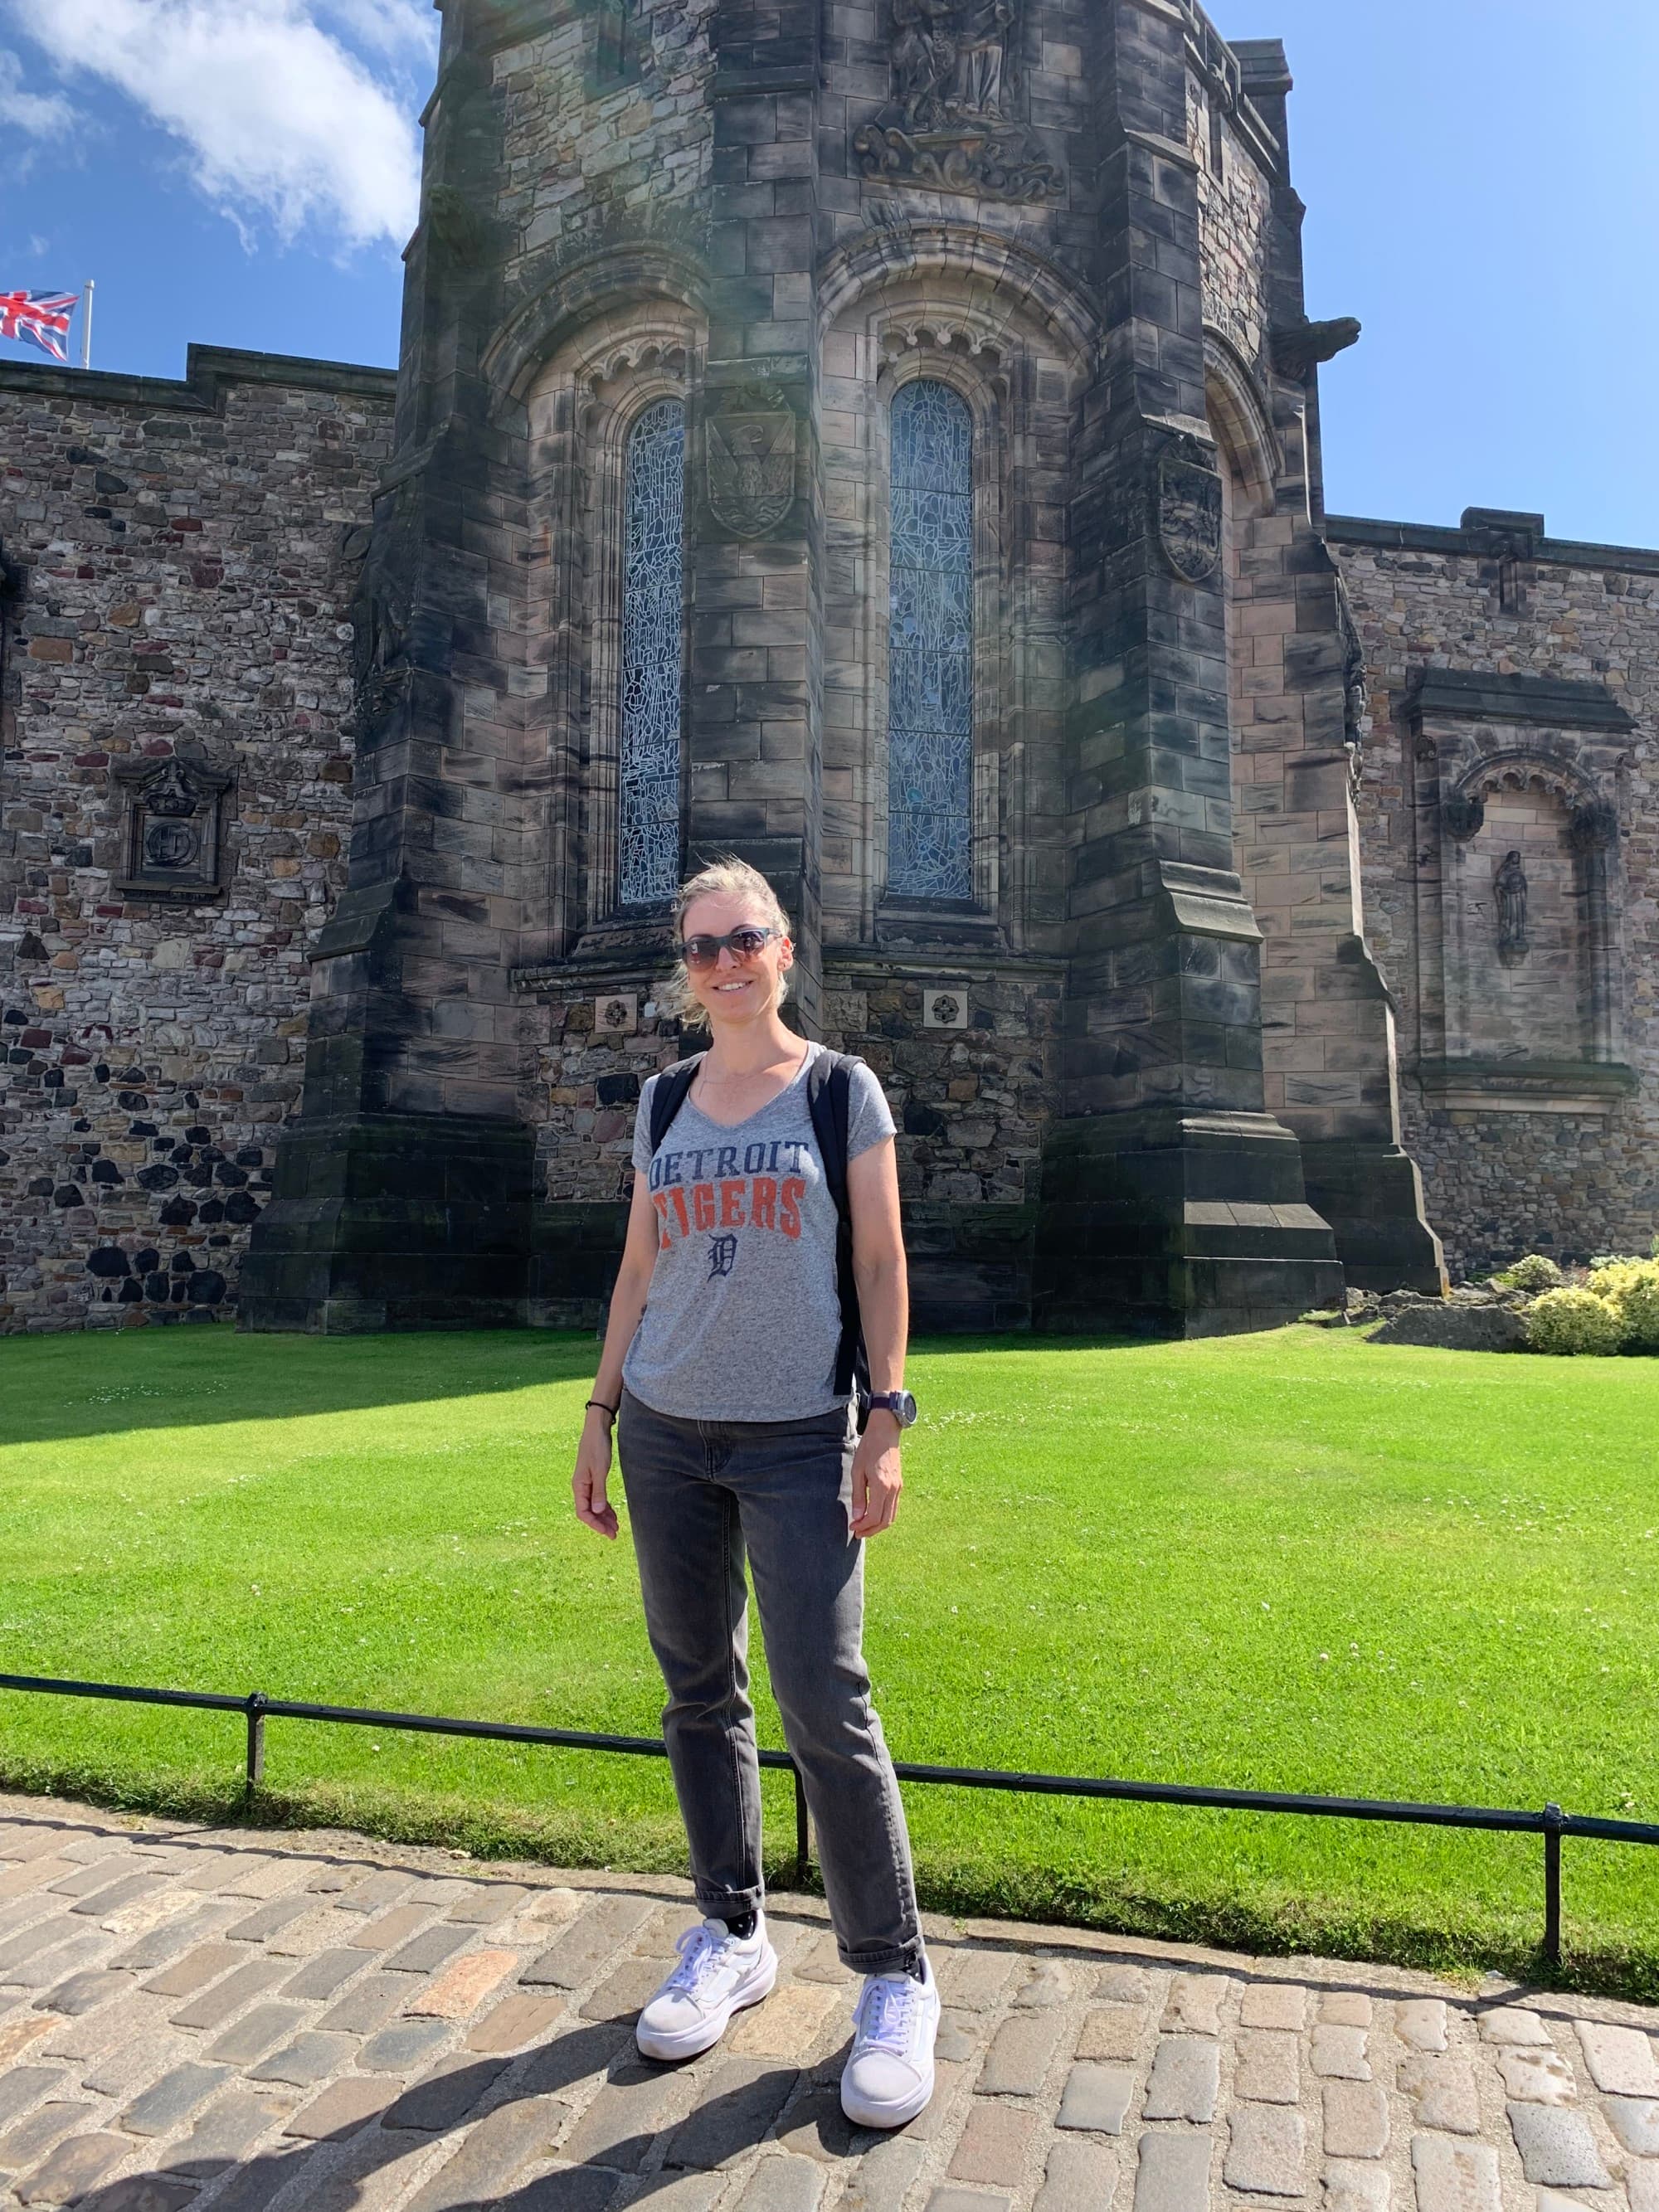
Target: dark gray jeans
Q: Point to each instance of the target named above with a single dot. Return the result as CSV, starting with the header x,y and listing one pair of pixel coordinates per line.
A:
x,y
700,1494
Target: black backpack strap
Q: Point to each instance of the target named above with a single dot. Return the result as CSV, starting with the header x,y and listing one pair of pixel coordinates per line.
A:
x,y
668,1091
829,1100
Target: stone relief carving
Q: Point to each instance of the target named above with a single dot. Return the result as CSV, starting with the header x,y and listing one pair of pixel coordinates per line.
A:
x,y
170,826
1510,894
1188,502
952,125
1297,348
750,438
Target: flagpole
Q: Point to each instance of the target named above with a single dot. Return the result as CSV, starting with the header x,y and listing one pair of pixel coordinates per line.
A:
x,y
86,327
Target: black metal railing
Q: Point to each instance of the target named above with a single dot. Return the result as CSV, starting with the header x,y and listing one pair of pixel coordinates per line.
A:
x,y
256,1709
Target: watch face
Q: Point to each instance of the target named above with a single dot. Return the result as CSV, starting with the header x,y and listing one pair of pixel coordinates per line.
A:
x,y
904,1406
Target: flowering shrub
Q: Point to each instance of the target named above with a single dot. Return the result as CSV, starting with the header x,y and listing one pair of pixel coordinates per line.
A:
x,y
1631,1288
1535,1273
1574,1321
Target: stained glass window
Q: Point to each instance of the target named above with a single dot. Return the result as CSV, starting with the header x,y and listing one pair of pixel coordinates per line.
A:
x,y
930,644
649,830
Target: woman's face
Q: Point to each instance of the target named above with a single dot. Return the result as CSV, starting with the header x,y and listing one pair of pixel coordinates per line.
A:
x,y
736,990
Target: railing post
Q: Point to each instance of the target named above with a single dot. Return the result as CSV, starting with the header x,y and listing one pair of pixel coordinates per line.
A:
x,y
256,1742
1554,1820
803,1831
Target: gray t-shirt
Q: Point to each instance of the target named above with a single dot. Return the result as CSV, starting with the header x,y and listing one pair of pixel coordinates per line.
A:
x,y
742,1320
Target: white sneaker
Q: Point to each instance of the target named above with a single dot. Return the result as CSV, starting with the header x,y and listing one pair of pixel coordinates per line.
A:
x,y
716,1976
890,2075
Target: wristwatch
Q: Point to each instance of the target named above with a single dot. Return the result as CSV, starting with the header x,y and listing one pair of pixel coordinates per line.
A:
x,y
899,1403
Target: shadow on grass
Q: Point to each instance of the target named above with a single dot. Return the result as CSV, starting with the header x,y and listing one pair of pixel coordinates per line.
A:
x,y
59,1388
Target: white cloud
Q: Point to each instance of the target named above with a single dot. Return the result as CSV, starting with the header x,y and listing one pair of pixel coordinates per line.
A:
x,y
278,117
389,26
36,114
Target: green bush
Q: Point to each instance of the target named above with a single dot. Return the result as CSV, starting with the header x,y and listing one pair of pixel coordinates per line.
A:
x,y
1573,1320
1631,1287
1535,1273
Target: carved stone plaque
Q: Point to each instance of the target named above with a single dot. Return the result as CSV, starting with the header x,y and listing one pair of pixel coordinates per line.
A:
x,y
170,841
1188,510
750,451
953,125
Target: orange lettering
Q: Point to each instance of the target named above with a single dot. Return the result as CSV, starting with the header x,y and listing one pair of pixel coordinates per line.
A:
x,y
703,1205
661,1205
789,1199
678,1197
764,1204
732,1205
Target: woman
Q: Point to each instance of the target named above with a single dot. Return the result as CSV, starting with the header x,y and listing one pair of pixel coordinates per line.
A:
x,y
719,1370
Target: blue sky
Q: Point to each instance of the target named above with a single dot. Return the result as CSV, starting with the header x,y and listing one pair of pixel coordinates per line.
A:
x,y
1479,177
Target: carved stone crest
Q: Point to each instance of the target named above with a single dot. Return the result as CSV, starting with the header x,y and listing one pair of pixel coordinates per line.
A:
x,y
1464,813
749,443
170,827
952,125
1188,500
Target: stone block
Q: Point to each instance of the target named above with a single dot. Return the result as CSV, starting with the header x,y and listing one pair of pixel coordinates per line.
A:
x,y
1635,2121
1172,2172
1513,2024
1536,2077
1195,2002
1112,2031
257,2032
1269,2070
445,2097
456,1993
225,2134
1021,2050
1620,2059
1444,2090
993,2146
364,2009
1356,2119
341,2109
1281,2005
77,2166
428,1950
202,1964
1357,2186
1267,2151
1345,2007
172,2099
310,2059
590,1940
1557,2149
1079,2177
1342,2051
404,2045
779,2183
1455,2177
1095,2098
324,1973
517,2020
1420,2023
744,2097
83,1992
789,2023
1185,2078
486,2166
217,2003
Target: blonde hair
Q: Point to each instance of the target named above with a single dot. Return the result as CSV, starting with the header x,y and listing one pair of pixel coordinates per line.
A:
x,y
730,877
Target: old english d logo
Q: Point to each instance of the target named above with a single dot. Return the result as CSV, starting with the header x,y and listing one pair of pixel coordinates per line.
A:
x,y
751,469
1188,513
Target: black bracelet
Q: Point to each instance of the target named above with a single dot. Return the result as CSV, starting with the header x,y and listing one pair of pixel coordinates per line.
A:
x,y
603,1408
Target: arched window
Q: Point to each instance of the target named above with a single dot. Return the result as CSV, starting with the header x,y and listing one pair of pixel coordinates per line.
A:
x,y
649,830
930,641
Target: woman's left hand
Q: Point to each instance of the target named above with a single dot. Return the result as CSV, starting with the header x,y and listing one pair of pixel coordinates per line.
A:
x,y
876,1480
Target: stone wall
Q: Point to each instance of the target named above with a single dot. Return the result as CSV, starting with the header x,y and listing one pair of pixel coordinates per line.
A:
x,y
1533,1131
179,567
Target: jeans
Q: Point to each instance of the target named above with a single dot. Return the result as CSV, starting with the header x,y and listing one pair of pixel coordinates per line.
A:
x,y
700,1494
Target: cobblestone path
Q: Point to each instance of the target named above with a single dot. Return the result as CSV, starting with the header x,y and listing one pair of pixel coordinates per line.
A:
x,y
236,2019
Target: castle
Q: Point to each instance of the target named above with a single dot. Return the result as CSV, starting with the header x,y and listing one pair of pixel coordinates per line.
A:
x,y
882,442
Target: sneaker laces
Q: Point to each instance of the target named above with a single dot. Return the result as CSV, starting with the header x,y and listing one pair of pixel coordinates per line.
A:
x,y
883,2018
699,1959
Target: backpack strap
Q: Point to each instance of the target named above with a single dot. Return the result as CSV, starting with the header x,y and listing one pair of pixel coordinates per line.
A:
x,y
668,1091
829,1097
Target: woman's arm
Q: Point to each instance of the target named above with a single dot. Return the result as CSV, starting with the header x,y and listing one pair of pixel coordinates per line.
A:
x,y
873,1194
628,1299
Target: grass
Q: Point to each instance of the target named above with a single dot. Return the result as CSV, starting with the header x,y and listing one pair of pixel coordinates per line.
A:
x,y
1290,1561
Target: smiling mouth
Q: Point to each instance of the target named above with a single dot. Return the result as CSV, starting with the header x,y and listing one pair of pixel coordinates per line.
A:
x,y
741,985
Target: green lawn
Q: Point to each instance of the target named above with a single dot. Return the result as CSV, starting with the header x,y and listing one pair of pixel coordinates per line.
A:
x,y
1292,1561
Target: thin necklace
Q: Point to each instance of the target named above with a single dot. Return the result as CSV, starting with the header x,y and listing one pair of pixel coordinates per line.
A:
x,y
794,1072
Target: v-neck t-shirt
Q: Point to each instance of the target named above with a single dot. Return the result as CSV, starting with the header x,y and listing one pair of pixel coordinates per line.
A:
x,y
742,1319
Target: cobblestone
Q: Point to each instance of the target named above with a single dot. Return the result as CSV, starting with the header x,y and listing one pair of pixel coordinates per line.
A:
x,y
347,2083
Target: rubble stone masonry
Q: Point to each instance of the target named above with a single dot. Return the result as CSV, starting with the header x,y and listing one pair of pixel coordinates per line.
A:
x,y
179,561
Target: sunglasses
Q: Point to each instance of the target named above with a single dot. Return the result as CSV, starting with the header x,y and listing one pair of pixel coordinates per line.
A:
x,y
744,944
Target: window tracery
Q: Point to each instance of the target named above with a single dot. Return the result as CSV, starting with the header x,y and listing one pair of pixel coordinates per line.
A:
x,y
648,796
930,644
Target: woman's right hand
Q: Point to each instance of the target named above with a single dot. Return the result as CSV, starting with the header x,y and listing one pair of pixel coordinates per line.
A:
x,y
593,1510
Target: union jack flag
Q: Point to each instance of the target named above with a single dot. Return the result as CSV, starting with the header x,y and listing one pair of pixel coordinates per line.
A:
x,y
41,318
